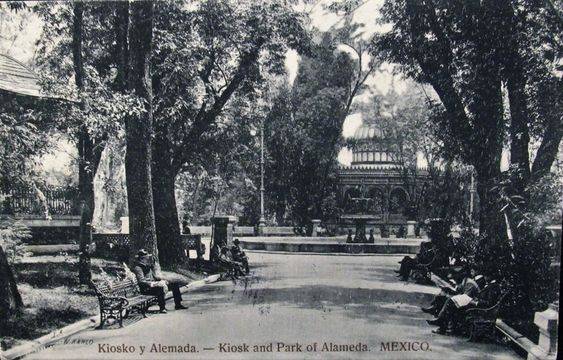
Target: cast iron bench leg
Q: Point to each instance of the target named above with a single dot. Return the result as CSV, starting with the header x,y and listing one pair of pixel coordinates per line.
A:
x,y
121,317
102,319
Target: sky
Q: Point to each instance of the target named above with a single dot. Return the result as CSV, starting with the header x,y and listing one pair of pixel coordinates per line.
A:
x,y
22,48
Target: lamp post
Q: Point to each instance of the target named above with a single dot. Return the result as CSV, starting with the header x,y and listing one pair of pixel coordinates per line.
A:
x,y
262,221
471,196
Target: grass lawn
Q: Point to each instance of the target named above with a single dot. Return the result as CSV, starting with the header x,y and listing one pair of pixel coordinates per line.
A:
x,y
52,296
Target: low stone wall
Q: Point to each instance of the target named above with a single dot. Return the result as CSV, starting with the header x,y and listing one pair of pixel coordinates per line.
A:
x,y
37,250
338,248
247,231
60,229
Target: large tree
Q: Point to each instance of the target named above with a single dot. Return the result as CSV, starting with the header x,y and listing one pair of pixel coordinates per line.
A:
x,y
204,56
467,51
23,135
83,50
22,142
89,152
139,132
304,134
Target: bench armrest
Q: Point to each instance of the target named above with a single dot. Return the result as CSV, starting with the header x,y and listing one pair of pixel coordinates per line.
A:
x,y
476,314
448,290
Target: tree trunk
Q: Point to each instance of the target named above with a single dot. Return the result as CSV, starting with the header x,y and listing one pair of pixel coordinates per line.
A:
x,y
514,72
121,27
86,171
10,298
488,128
166,213
139,133
519,134
87,167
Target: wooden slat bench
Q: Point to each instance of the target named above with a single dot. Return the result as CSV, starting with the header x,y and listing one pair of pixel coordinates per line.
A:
x,y
119,297
421,273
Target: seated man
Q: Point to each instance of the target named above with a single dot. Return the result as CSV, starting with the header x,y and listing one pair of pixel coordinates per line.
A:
x,y
456,305
233,268
425,255
464,279
221,262
239,255
150,282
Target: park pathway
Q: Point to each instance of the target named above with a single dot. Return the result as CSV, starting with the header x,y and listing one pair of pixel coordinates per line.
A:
x,y
291,299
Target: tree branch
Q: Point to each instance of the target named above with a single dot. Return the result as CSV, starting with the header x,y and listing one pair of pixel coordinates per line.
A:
x,y
437,73
206,117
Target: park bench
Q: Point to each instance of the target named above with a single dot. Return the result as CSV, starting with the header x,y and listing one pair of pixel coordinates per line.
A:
x,y
193,246
482,321
193,243
421,273
118,299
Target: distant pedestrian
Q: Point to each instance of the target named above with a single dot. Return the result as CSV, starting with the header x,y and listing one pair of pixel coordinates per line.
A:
x,y
231,268
349,239
185,226
371,237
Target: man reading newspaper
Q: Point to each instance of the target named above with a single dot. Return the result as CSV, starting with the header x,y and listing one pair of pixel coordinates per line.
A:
x,y
458,303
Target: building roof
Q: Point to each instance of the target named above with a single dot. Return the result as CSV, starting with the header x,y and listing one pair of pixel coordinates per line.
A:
x,y
368,131
17,78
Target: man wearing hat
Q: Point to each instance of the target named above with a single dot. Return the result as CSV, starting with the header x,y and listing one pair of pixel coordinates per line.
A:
x,y
150,283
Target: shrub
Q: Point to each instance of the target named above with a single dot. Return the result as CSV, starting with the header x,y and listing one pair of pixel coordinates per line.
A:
x,y
464,248
12,234
438,231
522,260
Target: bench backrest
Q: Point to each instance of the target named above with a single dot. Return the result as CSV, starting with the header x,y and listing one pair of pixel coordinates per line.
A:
x,y
123,288
193,242
494,310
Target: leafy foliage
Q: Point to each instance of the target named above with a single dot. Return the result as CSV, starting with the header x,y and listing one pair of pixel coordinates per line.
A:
x,y
208,54
303,136
470,53
454,47
102,109
12,235
23,141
